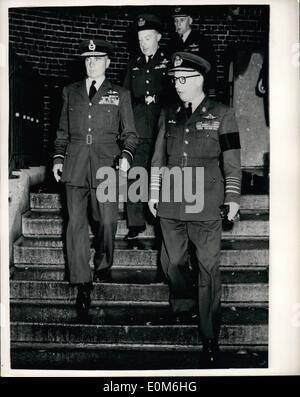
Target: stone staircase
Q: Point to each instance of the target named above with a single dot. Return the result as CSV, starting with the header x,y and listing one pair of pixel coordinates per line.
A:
x,y
121,333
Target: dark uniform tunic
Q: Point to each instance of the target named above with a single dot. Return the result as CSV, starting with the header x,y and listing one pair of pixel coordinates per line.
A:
x,y
196,141
87,140
198,44
147,82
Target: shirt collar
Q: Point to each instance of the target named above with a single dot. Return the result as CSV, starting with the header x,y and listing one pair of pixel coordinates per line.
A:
x,y
197,102
185,35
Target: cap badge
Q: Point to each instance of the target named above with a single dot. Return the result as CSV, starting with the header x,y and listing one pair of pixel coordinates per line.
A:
x,y
177,9
178,61
92,46
141,22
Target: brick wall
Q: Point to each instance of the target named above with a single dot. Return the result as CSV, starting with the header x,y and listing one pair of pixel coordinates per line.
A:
x,y
47,38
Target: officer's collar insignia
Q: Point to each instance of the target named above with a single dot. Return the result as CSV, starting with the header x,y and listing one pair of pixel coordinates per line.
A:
x,y
141,22
177,9
178,109
210,117
161,54
135,68
171,122
204,109
193,45
92,46
177,61
164,60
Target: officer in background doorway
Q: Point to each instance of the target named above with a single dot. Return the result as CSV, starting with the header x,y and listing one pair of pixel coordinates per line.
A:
x,y
187,39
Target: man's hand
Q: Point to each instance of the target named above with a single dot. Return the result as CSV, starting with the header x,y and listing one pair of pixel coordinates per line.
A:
x,y
123,166
57,171
233,211
152,204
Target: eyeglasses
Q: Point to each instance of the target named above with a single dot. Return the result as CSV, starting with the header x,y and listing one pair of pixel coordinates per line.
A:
x,y
182,79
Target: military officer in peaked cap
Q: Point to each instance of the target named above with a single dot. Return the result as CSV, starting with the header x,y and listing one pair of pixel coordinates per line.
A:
x,y
193,136
188,39
150,88
93,112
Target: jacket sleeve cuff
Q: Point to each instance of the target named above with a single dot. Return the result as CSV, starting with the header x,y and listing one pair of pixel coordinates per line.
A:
x,y
58,159
127,154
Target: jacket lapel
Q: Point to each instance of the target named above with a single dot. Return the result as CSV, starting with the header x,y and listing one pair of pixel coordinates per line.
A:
x,y
105,86
201,109
81,89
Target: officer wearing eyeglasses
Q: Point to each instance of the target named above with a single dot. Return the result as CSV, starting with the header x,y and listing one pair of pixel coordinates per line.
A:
x,y
149,84
194,136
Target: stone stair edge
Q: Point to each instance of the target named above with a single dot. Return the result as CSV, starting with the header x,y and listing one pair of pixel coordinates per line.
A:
x,y
129,303
127,346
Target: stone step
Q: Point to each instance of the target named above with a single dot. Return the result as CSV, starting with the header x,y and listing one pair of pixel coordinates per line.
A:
x,y
119,356
135,274
126,313
53,201
172,335
251,292
49,250
51,224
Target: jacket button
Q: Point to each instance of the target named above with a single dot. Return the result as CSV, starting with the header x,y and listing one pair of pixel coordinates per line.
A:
x,y
90,104
147,81
185,154
148,71
90,116
89,129
187,130
186,142
147,92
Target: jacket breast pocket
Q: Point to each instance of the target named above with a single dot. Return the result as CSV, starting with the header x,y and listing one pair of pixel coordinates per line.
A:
x,y
107,117
206,143
172,143
75,116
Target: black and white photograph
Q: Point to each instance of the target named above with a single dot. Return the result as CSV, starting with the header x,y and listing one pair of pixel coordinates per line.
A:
x,y
139,187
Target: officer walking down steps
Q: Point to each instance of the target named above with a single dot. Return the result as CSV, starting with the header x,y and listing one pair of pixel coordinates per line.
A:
x,y
93,112
192,137
149,84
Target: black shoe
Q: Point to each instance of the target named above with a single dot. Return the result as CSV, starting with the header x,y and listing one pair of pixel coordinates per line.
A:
x,y
210,353
83,300
102,276
133,232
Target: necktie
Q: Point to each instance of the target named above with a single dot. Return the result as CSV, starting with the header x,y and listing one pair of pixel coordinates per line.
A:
x,y
189,110
93,90
181,37
148,59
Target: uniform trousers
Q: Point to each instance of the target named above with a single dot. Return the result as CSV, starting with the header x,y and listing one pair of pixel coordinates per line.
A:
x,y
142,158
186,292
104,217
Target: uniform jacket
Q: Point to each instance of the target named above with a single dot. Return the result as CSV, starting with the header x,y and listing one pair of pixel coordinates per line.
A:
x,y
90,130
148,79
207,138
199,44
